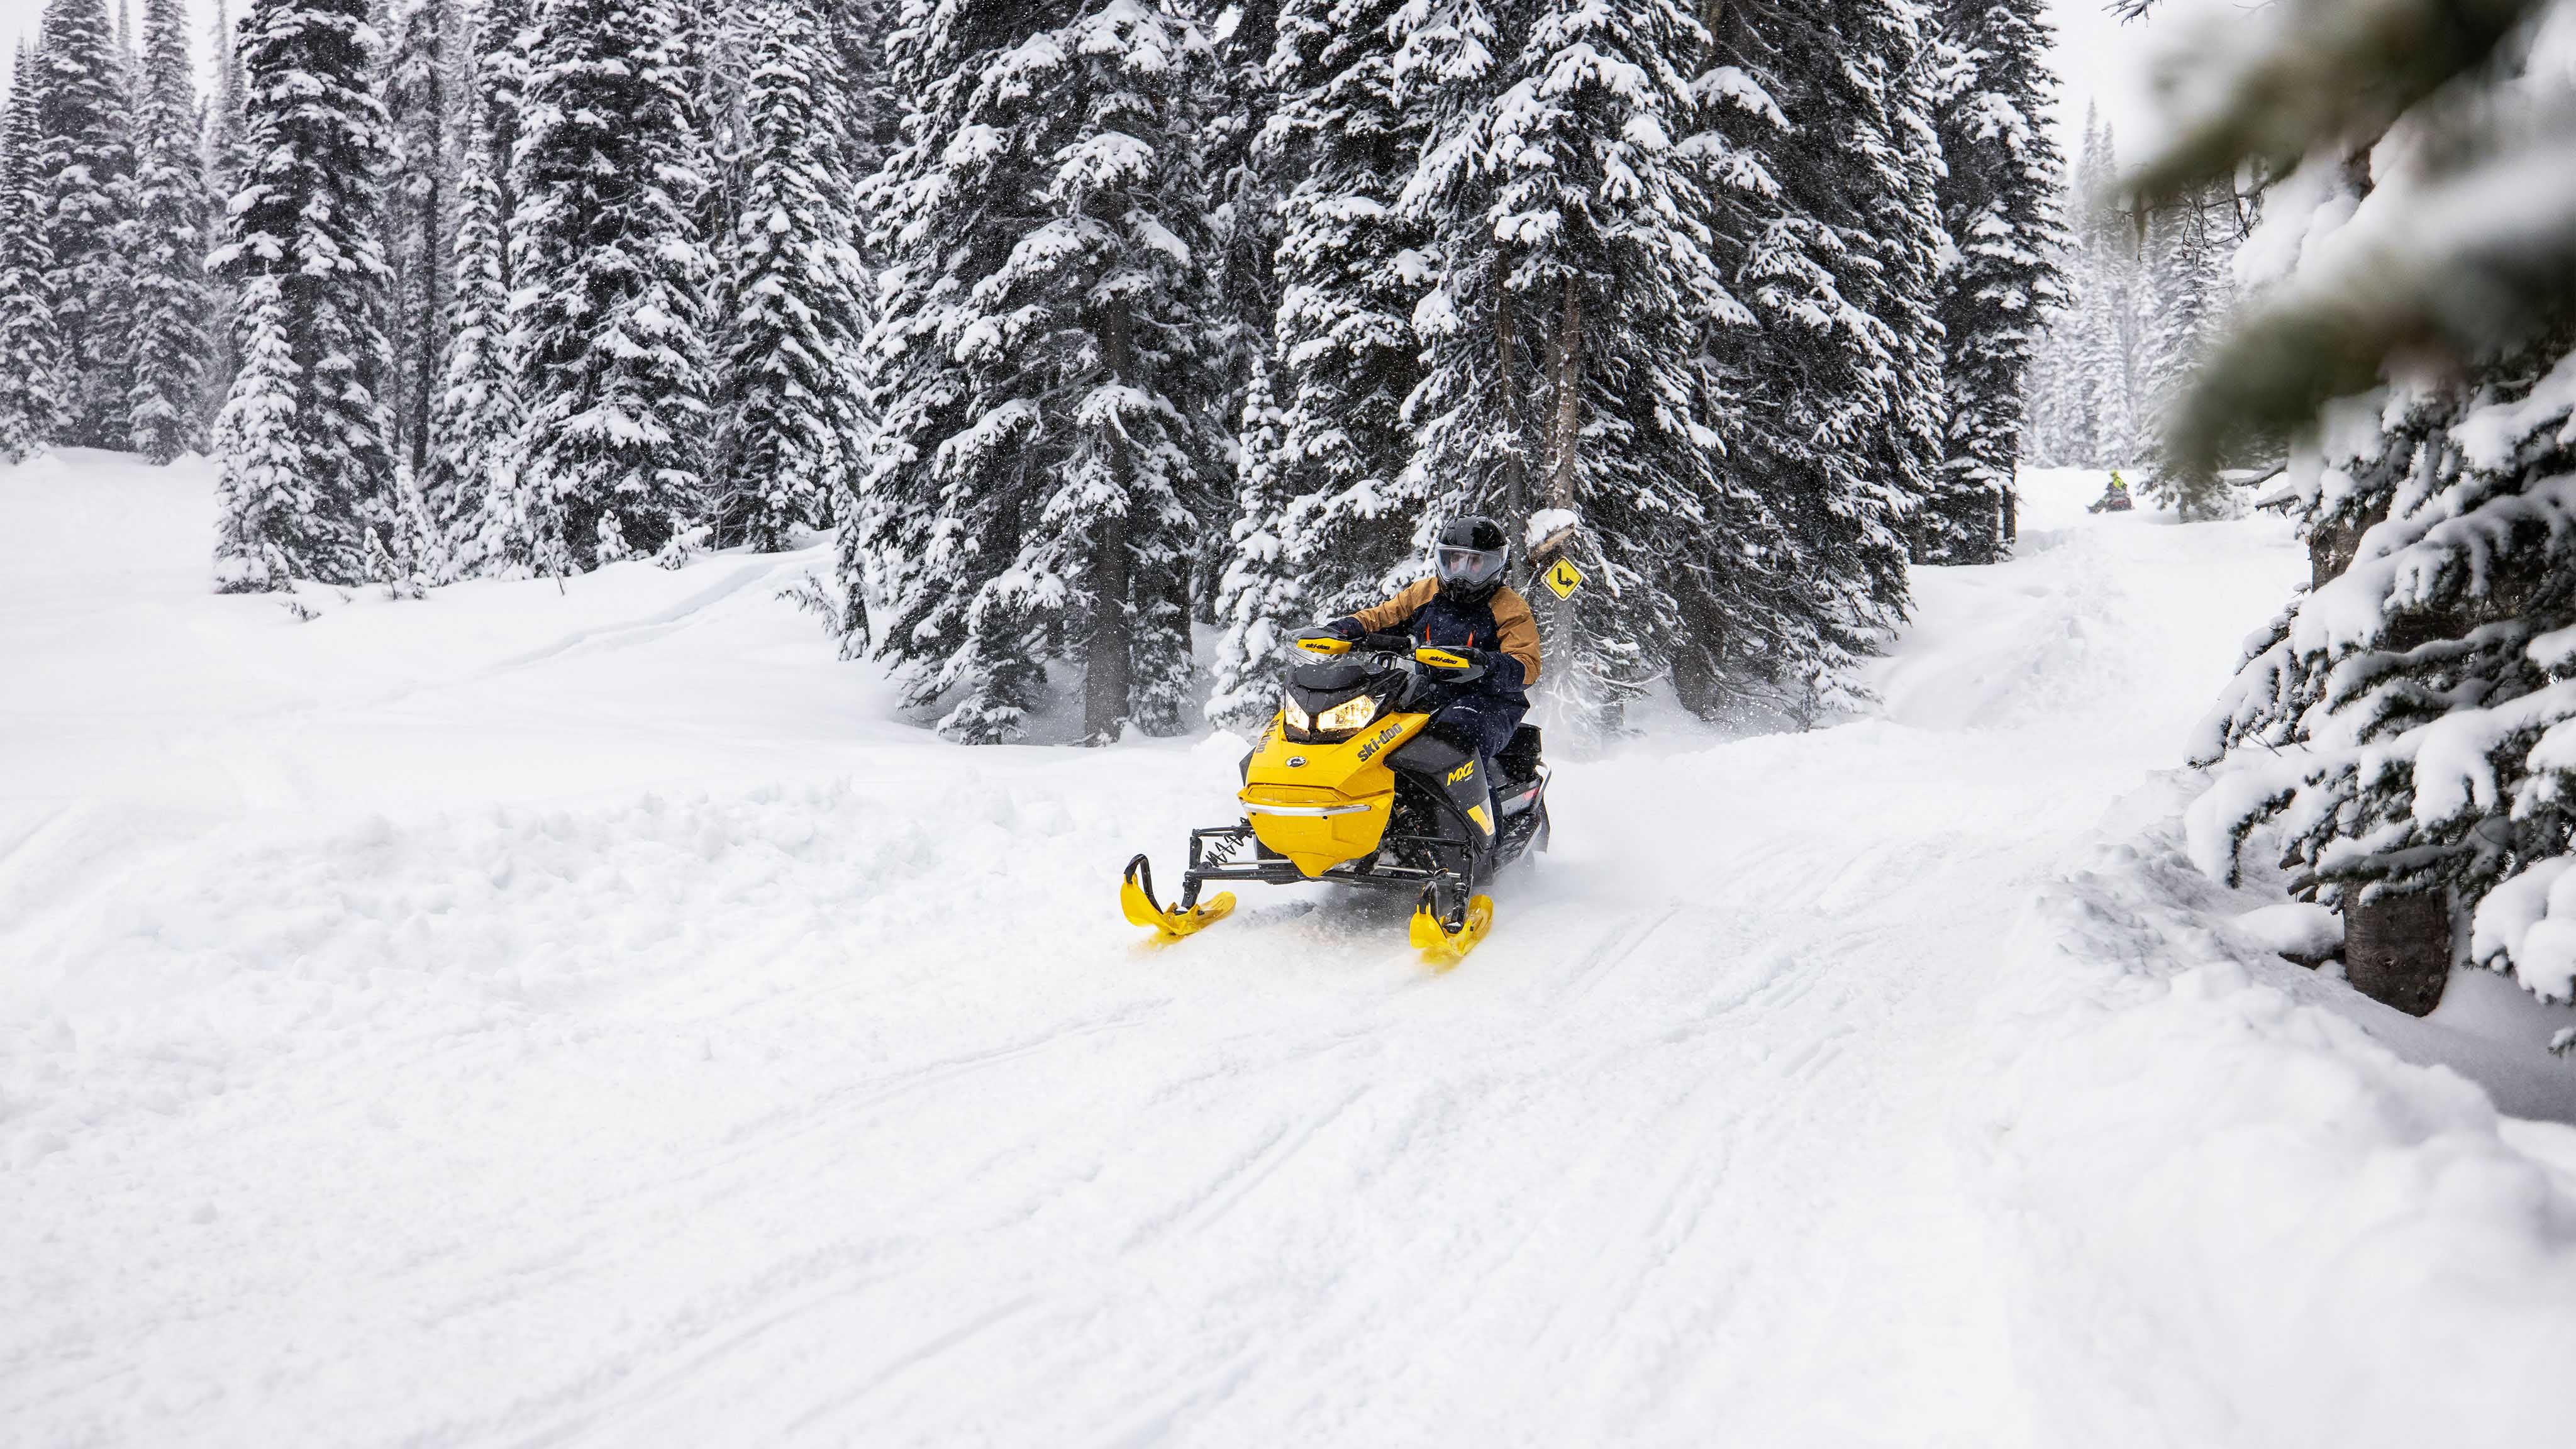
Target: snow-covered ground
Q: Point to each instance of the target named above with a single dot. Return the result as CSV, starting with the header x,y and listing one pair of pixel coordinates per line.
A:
x,y
585,1016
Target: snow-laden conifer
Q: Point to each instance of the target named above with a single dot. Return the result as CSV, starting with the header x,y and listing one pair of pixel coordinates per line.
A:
x,y
1247,172
1046,362
418,203
169,239
473,491
2405,726
85,162
794,425
1903,219
2187,302
224,163
612,279
302,445
1327,518
1263,596
1567,332
1824,162
2103,337
1998,192
1806,523
32,414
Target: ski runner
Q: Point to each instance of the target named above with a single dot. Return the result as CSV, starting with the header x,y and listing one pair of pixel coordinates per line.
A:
x,y
1467,609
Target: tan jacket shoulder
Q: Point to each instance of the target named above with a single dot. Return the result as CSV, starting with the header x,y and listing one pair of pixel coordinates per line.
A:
x,y
1516,631
1390,616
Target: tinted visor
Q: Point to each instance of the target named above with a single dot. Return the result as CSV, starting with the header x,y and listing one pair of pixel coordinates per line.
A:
x,y
1469,565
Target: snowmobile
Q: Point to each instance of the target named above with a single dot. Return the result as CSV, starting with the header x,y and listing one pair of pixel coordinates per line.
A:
x,y
1346,787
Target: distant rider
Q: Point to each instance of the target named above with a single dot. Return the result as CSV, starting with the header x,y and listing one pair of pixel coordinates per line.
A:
x,y
1468,610
2114,499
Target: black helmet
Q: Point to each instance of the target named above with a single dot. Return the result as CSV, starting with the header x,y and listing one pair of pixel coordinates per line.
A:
x,y
1471,553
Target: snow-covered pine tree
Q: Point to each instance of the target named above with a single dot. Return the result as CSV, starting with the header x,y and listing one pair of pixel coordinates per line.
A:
x,y
1822,465
1048,361
417,215
1998,199
1247,174
2109,336
172,213
223,164
870,110
2405,726
1902,223
1328,514
474,490
613,279
2187,300
85,163
1263,596
1566,334
303,444
31,361
791,439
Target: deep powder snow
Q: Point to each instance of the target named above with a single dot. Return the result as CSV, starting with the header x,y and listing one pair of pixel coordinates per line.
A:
x,y
585,1016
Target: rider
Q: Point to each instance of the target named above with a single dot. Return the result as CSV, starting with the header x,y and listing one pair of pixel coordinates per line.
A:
x,y
1468,610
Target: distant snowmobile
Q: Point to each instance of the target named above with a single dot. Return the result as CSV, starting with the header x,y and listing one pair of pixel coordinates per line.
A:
x,y
1345,787
2114,499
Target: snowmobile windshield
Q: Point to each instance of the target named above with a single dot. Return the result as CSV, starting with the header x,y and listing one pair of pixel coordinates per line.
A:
x,y
1329,676
1472,567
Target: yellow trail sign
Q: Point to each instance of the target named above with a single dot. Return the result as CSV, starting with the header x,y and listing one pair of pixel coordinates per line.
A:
x,y
1564,579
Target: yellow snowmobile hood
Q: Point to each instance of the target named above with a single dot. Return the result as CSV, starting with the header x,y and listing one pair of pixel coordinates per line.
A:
x,y
1320,804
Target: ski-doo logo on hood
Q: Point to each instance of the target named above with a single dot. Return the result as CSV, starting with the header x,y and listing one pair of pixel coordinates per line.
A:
x,y
1374,745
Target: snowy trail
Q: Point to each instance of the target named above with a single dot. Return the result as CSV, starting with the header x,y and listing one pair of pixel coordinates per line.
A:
x,y
411,1046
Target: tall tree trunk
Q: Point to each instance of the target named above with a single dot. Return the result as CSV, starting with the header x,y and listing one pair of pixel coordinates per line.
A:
x,y
426,352
2397,949
1506,343
1105,670
1565,383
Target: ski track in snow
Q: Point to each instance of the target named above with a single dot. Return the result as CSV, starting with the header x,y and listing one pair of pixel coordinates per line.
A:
x,y
403,1043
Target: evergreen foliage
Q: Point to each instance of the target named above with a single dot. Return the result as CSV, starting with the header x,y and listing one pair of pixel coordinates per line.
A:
x,y
302,445
32,414
170,303
794,424
2187,287
84,160
613,278
474,491
1047,362
1564,333
224,164
1327,508
418,200
2404,727
1822,473
1998,191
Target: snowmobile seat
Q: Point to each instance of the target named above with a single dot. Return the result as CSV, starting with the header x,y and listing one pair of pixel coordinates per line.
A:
x,y
1519,759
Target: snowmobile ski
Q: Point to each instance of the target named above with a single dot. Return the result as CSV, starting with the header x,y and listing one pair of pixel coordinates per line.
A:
x,y
1136,898
1442,943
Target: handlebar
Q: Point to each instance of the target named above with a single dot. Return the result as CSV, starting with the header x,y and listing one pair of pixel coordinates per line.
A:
x,y
1400,646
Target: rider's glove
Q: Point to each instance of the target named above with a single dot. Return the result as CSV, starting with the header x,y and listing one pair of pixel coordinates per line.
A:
x,y
1344,627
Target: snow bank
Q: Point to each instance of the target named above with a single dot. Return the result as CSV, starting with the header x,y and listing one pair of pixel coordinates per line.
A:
x,y
2276,1230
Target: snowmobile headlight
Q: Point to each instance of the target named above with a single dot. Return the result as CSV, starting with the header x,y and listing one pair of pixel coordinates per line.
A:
x,y
1297,718
1350,714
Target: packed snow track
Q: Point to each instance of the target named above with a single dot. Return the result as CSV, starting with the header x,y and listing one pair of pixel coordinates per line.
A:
x,y
589,1017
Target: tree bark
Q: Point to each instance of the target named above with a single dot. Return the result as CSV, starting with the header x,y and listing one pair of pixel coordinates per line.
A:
x,y
1506,343
1565,427
1105,670
2397,949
